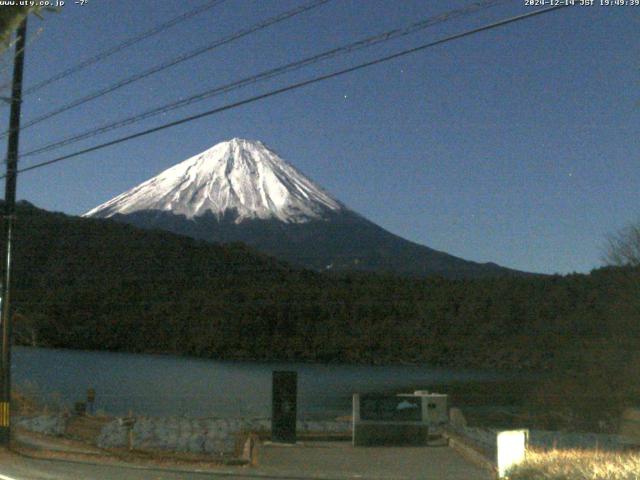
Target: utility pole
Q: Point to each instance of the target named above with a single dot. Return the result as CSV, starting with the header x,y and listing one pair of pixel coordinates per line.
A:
x,y
9,212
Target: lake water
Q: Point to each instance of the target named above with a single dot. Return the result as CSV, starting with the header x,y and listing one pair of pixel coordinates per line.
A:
x,y
164,385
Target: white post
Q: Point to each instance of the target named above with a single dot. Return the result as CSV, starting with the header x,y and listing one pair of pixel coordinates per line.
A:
x,y
355,417
511,449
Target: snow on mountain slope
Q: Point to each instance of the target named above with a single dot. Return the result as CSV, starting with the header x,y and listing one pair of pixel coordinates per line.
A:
x,y
238,175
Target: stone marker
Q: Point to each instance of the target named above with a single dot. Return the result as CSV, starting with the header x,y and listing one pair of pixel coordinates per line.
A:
x,y
284,407
511,449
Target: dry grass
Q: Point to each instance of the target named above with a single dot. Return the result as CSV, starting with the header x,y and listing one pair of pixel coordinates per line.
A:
x,y
578,465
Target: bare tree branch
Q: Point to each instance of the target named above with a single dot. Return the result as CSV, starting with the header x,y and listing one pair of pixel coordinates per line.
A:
x,y
623,247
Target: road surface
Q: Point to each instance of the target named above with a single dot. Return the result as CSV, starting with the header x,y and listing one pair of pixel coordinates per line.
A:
x,y
317,460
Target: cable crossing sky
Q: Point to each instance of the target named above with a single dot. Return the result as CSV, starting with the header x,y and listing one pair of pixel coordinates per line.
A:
x,y
271,73
122,46
295,86
173,62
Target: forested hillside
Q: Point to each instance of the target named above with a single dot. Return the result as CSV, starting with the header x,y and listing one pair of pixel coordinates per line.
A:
x,y
96,284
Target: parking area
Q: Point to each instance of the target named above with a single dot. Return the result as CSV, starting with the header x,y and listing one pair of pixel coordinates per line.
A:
x,y
340,460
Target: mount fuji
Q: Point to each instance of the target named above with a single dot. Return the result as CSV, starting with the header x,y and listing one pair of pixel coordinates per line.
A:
x,y
241,190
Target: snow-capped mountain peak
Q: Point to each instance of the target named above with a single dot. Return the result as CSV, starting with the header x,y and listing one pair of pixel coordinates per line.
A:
x,y
239,176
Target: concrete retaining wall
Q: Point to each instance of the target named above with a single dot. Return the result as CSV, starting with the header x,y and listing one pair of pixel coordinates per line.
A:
x,y
206,435
176,434
547,440
197,435
46,424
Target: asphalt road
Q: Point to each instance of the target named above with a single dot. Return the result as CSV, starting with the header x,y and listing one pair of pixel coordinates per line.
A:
x,y
16,467
317,460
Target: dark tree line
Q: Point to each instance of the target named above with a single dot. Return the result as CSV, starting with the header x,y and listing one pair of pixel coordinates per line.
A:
x,y
96,284
84,283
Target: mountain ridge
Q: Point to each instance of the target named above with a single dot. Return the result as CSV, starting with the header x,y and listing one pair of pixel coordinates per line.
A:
x,y
242,191
242,175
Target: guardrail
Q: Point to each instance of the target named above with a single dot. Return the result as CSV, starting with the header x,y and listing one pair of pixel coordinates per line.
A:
x,y
554,440
496,450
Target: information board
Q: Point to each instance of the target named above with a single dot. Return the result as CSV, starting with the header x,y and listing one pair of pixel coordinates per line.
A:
x,y
390,408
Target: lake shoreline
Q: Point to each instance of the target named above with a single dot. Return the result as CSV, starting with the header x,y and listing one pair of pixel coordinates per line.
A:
x,y
241,359
162,385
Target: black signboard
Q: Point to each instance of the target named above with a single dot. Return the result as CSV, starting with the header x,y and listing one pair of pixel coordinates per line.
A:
x,y
387,408
284,407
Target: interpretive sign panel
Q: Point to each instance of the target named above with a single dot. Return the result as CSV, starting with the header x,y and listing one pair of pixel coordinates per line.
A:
x,y
390,408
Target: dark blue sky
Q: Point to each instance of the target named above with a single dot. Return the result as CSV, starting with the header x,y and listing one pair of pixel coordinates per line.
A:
x,y
518,145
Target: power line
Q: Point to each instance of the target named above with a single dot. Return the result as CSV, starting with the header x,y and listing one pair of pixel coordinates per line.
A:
x,y
354,46
175,61
294,86
121,46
